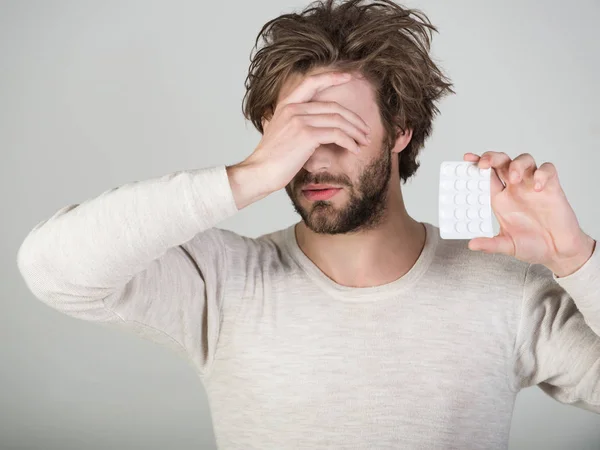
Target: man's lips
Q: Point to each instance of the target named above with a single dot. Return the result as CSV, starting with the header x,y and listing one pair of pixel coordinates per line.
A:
x,y
320,194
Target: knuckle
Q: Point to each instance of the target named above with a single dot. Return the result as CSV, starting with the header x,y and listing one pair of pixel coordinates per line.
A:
x,y
308,133
338,133
289,109
296,121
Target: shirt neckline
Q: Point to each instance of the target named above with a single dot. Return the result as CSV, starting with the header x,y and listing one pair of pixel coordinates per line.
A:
x,y
372,293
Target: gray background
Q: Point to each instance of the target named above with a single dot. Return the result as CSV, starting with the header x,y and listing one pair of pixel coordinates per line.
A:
x,y
95,94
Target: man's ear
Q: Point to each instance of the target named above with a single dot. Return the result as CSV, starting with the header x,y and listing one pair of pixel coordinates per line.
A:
x,y
402,140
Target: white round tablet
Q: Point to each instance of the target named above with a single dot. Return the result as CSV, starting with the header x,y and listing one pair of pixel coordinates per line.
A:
x,y
460,185
460,213
460,199
461,227
472,213
473,227
485,227
461,170
473,170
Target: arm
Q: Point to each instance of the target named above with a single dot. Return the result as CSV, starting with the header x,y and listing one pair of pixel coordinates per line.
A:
x,y
146,256
558,339
143,256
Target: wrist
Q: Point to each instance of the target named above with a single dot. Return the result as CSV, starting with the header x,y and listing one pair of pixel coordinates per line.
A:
x,y
246,184
568,266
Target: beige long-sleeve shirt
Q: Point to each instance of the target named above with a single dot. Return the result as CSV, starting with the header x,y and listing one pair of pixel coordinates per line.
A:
x,y
292,360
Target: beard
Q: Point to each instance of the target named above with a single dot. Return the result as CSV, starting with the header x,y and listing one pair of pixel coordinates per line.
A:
x,y
364,209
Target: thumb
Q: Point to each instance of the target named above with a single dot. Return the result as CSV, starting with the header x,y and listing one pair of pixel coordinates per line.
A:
x,y
496,244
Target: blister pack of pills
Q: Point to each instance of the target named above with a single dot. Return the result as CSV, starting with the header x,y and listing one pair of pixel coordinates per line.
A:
x,y
465,210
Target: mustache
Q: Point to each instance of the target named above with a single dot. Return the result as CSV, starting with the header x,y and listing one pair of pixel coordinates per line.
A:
x,y
305,181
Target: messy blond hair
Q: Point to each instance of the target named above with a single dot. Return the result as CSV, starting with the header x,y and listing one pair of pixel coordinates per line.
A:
x,y
389,44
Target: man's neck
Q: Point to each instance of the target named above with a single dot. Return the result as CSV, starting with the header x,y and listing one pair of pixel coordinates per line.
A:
x,y
365,259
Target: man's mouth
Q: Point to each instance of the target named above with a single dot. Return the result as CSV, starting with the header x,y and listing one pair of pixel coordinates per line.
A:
x,y
320,194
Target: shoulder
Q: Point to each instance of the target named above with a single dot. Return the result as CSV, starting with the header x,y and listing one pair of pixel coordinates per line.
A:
x,y
239,253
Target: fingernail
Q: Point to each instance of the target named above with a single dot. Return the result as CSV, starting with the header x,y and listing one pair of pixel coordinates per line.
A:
x,y
538,186
514,176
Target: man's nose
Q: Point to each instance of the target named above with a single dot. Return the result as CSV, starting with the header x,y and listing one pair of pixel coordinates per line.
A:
x,y
323,157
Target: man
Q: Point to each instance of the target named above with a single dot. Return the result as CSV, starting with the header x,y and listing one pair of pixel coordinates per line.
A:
x,y
357,327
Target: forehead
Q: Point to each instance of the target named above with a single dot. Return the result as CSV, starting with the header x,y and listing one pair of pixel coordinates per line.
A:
x,y
358,94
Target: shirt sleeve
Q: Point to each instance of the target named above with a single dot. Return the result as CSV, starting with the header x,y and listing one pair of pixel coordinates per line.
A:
x,y
144,257
557,344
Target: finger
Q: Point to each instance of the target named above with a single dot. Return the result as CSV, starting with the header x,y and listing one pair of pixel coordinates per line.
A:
x,y
334,136
496,185
499,161
496,244
545,175
471,157
314,84
337,121
334,107
521,169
